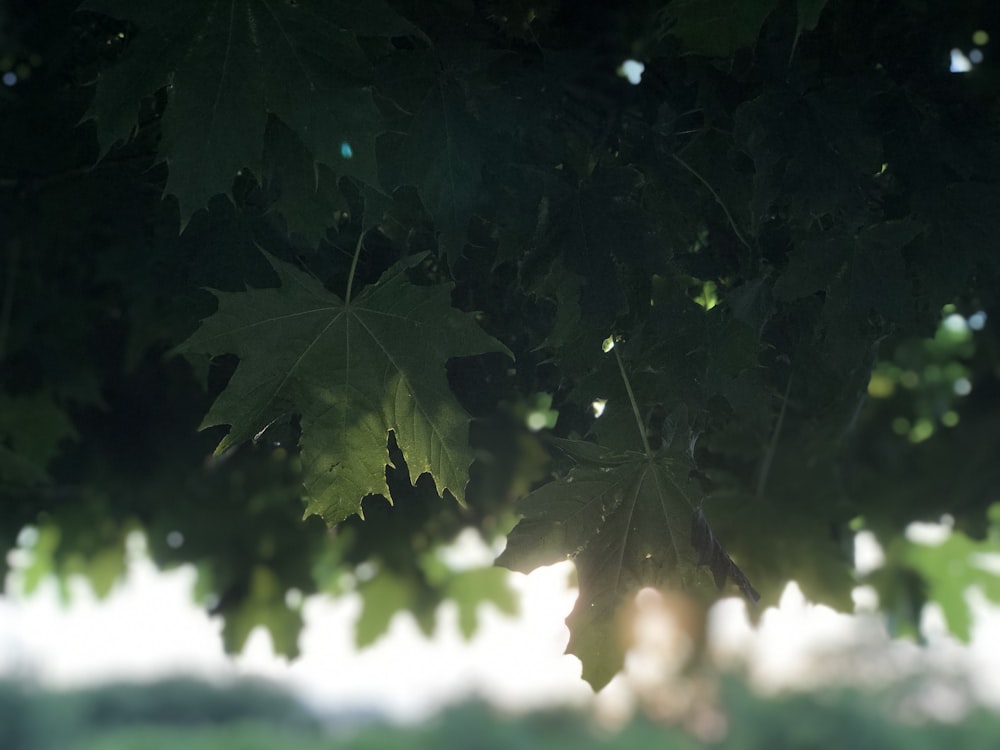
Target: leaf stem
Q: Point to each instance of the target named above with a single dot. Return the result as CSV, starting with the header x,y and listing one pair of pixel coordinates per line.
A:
x,y
718,199
635,406
765,467
354,267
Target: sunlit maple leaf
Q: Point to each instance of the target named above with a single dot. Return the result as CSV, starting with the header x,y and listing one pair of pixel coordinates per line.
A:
x,y
353,370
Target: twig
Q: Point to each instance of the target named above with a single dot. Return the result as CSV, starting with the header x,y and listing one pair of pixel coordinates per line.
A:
x,y
703,181
354,266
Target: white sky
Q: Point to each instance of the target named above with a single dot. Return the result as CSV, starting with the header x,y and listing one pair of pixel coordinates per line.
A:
x,y
149,627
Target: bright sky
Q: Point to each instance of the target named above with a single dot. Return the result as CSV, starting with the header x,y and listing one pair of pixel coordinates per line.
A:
x,y
149,627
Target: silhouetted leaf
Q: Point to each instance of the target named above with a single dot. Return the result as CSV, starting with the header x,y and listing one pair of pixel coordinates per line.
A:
x,y
627,522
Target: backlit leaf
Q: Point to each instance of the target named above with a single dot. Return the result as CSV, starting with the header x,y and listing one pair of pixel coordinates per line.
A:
x,y
627,523
946,571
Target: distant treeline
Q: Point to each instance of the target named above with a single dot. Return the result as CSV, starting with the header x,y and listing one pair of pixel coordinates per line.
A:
x,y
255,716
32,719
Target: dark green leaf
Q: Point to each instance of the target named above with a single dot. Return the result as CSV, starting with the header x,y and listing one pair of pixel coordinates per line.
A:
x,y
31,430
441,157
226,67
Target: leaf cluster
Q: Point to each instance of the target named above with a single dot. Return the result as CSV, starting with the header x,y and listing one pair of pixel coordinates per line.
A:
x,y
383,233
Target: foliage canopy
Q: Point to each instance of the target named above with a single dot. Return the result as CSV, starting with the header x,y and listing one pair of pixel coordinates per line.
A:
x,y
403,250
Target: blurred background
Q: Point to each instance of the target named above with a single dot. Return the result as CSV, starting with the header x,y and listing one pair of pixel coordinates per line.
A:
x,y
147,668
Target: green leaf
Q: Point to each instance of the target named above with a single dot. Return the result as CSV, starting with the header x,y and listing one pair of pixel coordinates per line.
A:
x,y
31,431
799,547
813,155
627,524
264,605
43,558
307,192
420,592
718,27
382,597
947,570
471,588
353,371
562,287
813,266
78,540
226,66
596,222
441,157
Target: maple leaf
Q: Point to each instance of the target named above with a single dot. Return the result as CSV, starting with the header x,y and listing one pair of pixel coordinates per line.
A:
x,y
226,66
353,370
627,521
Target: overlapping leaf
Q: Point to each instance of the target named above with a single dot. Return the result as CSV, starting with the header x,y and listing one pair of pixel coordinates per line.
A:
x,y
718,27
304,192
813,155
354,371
441,156
597,223
627,521
227,65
